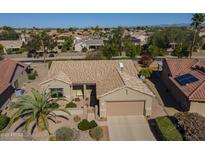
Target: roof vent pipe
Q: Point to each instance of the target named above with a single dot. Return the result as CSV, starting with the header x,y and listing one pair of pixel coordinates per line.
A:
x,y
121,66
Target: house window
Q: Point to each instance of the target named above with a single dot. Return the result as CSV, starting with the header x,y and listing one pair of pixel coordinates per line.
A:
x,y
56,92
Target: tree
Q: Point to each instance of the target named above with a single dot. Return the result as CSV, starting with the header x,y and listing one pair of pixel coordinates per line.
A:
x,y
34,43
197,22
36,109
163,38
192,125
180,51
131,49
68,43
154,51
8,33
116,39
60,30
109,51
46,43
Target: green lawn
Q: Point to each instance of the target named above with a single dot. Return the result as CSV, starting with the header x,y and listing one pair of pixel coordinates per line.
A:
x,y
168,131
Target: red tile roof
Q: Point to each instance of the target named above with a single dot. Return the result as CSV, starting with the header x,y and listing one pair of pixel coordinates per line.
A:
x,y
177,67
7,68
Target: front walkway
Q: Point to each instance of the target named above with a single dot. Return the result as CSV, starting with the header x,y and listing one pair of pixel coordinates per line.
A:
x,y
129,128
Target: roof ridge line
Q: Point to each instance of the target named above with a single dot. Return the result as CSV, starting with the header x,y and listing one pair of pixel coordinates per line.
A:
x,y
120,75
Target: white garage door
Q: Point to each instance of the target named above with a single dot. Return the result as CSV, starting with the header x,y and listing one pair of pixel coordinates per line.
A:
x,y
125,108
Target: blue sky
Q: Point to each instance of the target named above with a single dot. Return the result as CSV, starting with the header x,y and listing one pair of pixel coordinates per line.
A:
x,y
54,20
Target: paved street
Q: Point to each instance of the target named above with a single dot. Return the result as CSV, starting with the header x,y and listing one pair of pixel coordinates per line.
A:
x,y
129,128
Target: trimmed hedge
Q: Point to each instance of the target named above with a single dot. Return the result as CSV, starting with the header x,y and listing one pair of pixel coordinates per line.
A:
x,y
96,133
32,75
71,105
4,121
86,125
93,124
146,72
168,131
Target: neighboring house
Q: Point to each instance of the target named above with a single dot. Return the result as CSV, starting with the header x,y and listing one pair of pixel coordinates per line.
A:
x,y
12,76
60,43
185,79
91,44
13,45
112,85
139,37
24,38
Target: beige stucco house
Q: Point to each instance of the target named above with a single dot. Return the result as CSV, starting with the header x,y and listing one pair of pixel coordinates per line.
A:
x,y
90,44
112,85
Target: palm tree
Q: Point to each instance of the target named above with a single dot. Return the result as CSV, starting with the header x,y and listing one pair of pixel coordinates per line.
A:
x,y
47,43
36,109
197,23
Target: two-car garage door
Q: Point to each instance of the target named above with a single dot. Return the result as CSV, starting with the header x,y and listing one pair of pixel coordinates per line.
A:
x,y
122,108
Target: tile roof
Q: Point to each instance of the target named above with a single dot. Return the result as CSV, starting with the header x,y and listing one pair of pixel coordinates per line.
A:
x,y
135,83
7,68
90,41
94,42
104,73
177,67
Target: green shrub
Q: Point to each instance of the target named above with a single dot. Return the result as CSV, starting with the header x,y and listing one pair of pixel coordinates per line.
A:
x,y
86,125
67,134
54,105
168,131
96,133
192,125
146,72
76,118
32,75
93,124
9,51
71,105
21,50
52,138
4,120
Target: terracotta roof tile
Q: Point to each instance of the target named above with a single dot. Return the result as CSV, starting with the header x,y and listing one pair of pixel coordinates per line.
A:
x,y
103,73
177,67
7,68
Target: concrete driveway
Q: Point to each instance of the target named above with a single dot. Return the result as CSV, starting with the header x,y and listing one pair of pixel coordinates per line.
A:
x,y
129,128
